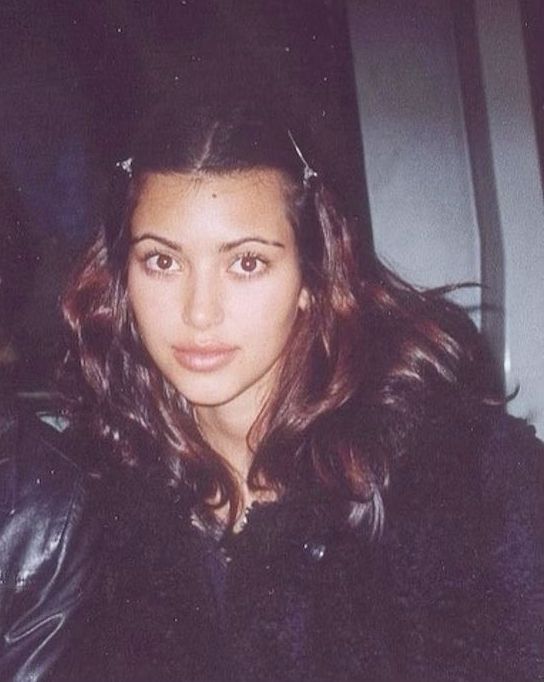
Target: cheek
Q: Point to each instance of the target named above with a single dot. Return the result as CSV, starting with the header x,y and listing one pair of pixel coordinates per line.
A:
x,y
135,290
138,299
143,297
265,317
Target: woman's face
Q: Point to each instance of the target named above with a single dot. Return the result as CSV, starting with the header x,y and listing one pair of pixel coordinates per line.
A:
x,y
214,282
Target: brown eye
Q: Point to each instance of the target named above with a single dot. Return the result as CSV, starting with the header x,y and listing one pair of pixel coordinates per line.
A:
x,y
164,262
248,263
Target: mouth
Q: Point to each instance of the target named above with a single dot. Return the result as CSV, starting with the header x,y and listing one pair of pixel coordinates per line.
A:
x,y
204,358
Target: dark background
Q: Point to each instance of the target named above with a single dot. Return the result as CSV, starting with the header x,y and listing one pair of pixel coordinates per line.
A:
x,y
74,78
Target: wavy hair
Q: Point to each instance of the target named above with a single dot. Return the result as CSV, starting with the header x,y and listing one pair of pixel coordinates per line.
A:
x,y
370,364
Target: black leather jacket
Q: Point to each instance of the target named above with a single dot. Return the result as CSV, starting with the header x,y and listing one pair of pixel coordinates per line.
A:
x,y
48,553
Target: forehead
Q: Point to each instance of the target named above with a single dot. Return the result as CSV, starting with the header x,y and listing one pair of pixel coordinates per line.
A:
x,y
250,200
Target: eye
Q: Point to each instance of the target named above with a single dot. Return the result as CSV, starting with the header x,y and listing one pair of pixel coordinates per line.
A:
x,y
248,264
161,262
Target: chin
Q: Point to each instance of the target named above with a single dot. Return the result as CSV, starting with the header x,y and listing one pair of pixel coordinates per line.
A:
x,y
211,395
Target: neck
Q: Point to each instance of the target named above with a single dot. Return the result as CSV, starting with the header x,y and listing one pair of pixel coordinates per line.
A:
x,y
226,428
227,432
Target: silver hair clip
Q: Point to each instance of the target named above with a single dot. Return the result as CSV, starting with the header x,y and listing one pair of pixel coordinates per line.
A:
x,y
308,171
126,166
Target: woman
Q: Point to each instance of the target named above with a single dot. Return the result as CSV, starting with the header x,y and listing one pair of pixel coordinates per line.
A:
x,y
299,474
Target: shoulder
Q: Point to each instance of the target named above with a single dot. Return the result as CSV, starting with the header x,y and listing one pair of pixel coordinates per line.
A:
x,y
44,495
511,467
476,491
505,461
492,453
510,455
34,462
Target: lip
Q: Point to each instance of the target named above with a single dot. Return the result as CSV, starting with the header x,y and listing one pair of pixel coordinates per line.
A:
x,y
205,358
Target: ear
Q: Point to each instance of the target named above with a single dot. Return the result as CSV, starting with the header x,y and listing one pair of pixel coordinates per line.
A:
x,y
303,299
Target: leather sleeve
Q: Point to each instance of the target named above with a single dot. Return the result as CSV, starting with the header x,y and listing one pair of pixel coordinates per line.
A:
x,y
49,565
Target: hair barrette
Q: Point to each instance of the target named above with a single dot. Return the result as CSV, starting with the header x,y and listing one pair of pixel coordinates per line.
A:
x,y
125,166
308,171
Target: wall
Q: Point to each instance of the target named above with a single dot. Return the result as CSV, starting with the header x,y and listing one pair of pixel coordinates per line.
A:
x,y
452,165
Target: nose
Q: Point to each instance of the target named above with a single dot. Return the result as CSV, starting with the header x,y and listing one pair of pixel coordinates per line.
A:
x,y
202,305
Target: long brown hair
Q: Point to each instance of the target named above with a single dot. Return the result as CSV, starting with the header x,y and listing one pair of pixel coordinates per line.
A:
x,y
370,364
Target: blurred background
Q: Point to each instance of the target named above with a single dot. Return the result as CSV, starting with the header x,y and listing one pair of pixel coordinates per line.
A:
x,y
431,113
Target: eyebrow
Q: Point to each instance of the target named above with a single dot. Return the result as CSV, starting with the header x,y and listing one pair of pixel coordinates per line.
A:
x,y
228,246
224,248
175,246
